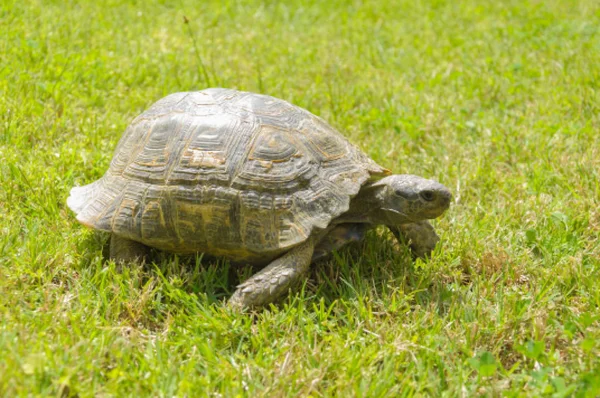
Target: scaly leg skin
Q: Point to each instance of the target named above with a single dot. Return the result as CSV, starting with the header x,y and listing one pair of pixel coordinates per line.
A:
x,y
338,237
274,280
123,250
420,236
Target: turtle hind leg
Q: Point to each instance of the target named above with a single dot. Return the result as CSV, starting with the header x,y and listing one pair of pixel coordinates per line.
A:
x,y
275,279
123,250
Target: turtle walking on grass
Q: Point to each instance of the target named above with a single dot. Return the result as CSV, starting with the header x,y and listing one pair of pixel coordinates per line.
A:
x,y
254,179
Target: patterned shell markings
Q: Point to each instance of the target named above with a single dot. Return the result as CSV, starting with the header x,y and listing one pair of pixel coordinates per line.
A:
x,y
229,173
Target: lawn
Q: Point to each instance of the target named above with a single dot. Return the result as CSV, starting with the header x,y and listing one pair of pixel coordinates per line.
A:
x,y
498,100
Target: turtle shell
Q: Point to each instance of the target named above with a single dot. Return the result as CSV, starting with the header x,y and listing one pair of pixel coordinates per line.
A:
x,y
225,172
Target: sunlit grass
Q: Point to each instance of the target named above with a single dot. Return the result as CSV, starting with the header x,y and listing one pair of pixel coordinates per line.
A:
x,y
499,100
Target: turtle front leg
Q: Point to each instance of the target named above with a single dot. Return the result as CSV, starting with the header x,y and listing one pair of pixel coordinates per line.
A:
x,y
338,237
123,250
274,280
420,236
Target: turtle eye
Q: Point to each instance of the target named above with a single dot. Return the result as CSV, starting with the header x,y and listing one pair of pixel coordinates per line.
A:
x,y
428,195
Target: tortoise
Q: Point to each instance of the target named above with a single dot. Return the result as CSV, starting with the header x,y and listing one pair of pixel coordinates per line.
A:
x,y
254,179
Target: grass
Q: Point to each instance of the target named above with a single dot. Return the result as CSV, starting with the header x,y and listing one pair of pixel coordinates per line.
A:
x,y
499,100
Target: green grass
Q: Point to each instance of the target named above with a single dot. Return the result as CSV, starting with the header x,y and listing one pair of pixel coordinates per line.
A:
x,y
499,100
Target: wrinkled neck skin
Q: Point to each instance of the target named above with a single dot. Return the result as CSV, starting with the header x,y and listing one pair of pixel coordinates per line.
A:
x,y
366,207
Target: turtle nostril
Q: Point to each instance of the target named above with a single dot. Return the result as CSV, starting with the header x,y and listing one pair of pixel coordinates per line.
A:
x,y
428,195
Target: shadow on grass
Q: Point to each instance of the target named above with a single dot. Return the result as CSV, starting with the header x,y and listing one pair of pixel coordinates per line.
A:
x,y
372,269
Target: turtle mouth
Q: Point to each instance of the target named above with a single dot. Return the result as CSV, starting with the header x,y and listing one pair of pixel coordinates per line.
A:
x,y
399,213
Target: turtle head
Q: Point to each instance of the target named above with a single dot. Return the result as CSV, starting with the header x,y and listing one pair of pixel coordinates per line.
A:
x,y
406,198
